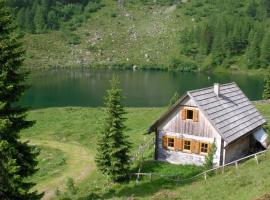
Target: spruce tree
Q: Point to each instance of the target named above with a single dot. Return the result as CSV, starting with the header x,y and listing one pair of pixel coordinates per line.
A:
x,y
266,91
252,8
265,50
21,19
113,148
174,99
17,158
52,20
29,25
39,20
253,52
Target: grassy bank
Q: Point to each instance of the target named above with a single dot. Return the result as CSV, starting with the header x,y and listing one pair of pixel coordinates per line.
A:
x,y
79,127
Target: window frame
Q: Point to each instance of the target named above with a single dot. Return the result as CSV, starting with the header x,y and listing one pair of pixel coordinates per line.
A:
x,y
169,147
189,110
186,150
208,145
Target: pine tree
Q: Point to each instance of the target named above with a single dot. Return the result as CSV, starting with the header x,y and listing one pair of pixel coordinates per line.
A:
x,y
21,19
113,148
252,8
218,46
17,158
29,25
52,20
253,52
266,91
265,50
39,20
174,99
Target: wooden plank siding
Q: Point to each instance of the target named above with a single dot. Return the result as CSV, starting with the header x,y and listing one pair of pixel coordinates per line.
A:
x,y
176,123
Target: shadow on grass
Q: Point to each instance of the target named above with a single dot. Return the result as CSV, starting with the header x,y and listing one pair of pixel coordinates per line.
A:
x,y
147,187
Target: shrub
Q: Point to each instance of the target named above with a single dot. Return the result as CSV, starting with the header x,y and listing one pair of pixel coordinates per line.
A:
x,y
70,186
184,66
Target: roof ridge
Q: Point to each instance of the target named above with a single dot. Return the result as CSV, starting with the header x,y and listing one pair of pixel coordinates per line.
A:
x,y
197,90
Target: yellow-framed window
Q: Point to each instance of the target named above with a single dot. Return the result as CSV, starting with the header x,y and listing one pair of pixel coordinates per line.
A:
x,y
204,147
187,145
171,142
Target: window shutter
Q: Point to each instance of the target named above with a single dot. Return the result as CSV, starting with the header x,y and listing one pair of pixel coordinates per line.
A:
x,y
184,114
175,139
179,144
209,147
195,146
164,142
195,115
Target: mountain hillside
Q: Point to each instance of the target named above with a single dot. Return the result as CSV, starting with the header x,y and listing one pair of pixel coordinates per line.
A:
x,y
175,35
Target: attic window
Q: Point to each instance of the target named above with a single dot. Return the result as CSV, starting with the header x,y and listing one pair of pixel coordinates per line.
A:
x,y
189,114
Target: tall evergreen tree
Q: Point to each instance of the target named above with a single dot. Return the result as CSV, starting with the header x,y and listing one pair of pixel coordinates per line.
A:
x,y
218,47
253,52
17,158
21,19
113,148
29,25
266,91
252,8
265,50
52,20
39,20
174,99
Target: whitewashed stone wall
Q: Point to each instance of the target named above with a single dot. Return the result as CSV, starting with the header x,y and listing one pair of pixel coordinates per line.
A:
x,y
179,157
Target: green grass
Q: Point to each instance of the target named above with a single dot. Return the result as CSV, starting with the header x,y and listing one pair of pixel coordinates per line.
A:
x,y
51,163
63,129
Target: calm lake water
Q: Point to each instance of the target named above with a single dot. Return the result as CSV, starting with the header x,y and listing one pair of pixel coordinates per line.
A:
x,y
85,87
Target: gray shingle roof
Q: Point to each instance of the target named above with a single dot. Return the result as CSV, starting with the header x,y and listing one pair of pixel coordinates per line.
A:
x,y
232,114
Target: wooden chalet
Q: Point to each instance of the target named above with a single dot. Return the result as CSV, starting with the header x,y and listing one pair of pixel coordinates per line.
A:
x,y
220,114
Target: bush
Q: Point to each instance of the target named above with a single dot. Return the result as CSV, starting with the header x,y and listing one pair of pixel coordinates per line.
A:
x,y
70,186
184,66
70,37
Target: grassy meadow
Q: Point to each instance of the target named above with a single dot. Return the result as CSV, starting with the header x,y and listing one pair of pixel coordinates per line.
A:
x,y
67,139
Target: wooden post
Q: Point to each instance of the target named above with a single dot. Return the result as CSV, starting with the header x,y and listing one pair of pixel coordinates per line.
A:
x,y
177,180
236,164
256,159
205,176
138,177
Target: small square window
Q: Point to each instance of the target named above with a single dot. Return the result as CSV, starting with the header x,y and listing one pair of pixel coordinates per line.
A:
x,y
189,114
170,142
187,145
204,148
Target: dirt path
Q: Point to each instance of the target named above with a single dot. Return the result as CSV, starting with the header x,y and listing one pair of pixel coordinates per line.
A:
x,y
80,163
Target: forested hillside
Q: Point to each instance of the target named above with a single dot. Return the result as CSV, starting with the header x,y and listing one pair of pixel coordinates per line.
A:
x,y
224,30
39,16
167,34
